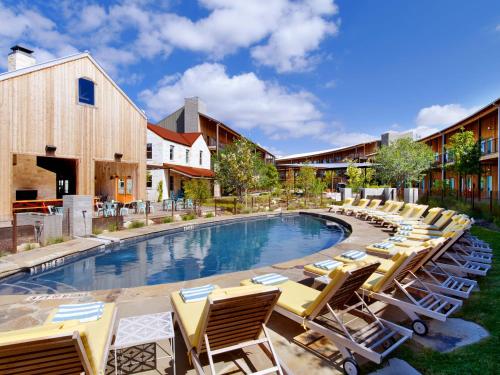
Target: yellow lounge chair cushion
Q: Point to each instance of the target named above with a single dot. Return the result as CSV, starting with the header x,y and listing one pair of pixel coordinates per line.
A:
x,y
377,279
191,314
94,334
385,264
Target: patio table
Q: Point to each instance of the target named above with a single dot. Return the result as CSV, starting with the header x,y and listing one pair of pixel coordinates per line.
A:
x,y
142,332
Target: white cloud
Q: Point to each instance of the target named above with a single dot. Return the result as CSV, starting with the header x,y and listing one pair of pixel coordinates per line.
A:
x,y
243,101
442,115
497,28
338,136
91,17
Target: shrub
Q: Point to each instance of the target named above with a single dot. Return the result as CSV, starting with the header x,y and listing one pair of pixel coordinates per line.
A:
x,y
54,240
97,231
209,215
112,227
189,216
136,224
29,246
167,219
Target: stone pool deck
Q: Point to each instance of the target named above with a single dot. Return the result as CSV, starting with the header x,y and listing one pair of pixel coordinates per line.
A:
x,y
21,311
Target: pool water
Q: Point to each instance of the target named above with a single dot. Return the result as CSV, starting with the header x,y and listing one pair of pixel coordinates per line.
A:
x,y
186,255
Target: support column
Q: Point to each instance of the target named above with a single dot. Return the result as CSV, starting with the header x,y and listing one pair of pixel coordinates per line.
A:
x,y
442,158
498,149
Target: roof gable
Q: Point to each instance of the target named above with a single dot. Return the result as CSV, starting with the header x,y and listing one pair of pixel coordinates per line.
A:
x,y
186,139
19,72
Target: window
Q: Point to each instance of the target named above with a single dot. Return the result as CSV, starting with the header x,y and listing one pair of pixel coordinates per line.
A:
x,y
452,183
201,157
149,151
171,152
149,180
489,183
85,91
187,156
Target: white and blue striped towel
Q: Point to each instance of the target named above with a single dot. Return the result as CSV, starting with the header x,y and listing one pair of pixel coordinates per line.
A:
x,y
353,255
404,232
269,279
397,239
328,264
383,245
196,294
406,227
84,312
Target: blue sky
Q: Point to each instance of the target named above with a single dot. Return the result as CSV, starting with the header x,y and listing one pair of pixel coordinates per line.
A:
x,y
294,76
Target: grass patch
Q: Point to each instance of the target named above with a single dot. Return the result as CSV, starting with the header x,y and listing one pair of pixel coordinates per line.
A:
x,y
112,227
189,216
208,215
54,240
483,308
97,231
29,246
136,224
167,219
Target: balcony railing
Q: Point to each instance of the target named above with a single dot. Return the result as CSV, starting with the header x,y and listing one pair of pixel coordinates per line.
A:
x,y
489,146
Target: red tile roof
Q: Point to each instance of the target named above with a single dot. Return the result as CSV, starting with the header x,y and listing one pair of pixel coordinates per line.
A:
x,y
186,139
191,171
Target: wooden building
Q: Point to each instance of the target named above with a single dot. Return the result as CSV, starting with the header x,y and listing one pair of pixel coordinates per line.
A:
x,y
484,125
192,118
67,128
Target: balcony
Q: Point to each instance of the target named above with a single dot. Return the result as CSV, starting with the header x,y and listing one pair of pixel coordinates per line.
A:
x,y
489,147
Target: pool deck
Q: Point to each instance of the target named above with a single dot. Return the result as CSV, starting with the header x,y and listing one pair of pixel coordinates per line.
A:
x,y
22,311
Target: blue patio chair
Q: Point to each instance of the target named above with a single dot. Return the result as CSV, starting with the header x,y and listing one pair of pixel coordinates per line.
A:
x,y
141,207
167,204
189,203
179,204
100,209
59,210
110,208
124,211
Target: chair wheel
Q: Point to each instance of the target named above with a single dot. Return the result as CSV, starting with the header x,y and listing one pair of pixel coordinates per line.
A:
x,y
350,367
419,327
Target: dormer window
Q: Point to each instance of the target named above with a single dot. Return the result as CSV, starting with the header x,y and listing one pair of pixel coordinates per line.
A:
x,y
86,91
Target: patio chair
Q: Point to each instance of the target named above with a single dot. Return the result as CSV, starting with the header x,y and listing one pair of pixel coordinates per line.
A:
x,y
363,203
373,205
341,315
141,207
227,320
50,210
399,287
438,225
67,347
125,210
58,210
414,214
366,212
347,203
167,204
406,210
99,206
391,209
432,215
189,204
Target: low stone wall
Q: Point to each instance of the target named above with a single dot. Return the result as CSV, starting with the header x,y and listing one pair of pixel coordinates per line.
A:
x,y
110,223
25,234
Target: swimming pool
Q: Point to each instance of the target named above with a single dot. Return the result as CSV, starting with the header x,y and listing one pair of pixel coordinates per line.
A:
x,y
196,251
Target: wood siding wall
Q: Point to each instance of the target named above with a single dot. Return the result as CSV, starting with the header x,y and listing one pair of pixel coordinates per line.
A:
x,y
40,108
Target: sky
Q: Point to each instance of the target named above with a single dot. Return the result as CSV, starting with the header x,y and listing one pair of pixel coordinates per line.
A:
x,y
292,75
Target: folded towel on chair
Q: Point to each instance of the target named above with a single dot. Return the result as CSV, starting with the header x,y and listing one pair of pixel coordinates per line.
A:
x,y
328,264
269,279
197,293
397,239
84,312
383,245
353,255
404,232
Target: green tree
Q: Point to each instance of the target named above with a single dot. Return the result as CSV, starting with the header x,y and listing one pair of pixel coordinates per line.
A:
x,y
403,162
328,178
355,177
159,190
309,183
198,190
269,178
237,167
466,153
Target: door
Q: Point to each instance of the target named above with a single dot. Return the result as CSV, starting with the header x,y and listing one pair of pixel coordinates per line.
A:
x,y
124,189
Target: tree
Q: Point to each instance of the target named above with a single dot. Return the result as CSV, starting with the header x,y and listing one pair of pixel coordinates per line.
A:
x,y
328,178
198,190
269,178
403,162
465,153
159,190
309,183
237,167
355,177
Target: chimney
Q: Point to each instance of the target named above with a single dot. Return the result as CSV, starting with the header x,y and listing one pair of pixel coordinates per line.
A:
x,y
20,58
192,109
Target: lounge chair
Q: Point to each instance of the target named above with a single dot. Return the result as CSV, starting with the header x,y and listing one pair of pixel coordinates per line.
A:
x,y
347,203
400,287
395,212
227,320
362,203
439,225
325,312
392,209
67,347
374,204
432,215
362,213
414,214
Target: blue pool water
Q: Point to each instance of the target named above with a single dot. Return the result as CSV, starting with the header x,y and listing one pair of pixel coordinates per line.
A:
x,y
186,255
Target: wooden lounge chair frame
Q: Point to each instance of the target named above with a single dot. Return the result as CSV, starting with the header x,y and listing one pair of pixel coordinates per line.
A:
x,y
374,341
391,210
373,205
233,323
52,355
419,299
334,208
362,203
